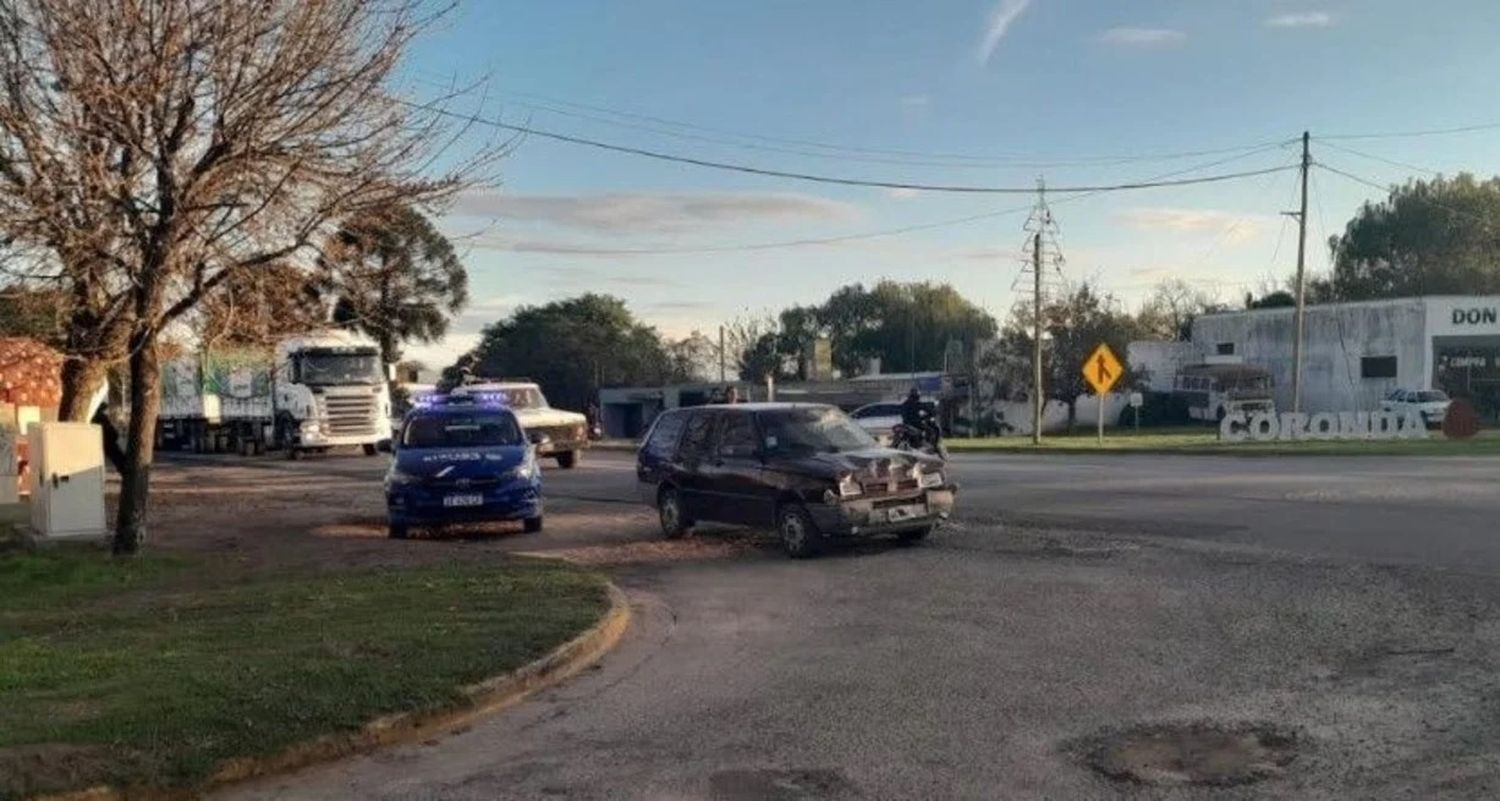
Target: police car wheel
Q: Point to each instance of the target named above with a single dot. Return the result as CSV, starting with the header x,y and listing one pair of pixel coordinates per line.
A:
x,y
397,531
532,525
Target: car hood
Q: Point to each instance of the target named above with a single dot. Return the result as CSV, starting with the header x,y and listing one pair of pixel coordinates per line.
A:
x,y
535,418
870,462
455,463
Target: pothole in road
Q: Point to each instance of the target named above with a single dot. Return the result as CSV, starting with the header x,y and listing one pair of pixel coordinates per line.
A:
x,y
1201,753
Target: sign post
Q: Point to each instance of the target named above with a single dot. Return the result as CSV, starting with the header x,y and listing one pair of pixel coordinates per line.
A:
x,y
1102,370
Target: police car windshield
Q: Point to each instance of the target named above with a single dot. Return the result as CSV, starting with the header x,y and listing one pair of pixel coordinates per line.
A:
x,y
478,430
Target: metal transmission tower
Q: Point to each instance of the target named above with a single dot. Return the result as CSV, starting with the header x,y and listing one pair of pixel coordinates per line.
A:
x,y
1040,275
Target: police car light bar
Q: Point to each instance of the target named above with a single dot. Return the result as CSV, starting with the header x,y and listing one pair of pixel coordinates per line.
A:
x,y
464,399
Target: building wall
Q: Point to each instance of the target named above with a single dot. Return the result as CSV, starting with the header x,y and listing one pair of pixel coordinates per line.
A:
x,y
1337,339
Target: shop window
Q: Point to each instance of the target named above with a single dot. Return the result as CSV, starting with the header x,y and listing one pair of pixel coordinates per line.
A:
x,y
1377,367
1226,348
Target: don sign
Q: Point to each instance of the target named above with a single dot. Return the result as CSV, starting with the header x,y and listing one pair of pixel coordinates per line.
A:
x,y
1269,427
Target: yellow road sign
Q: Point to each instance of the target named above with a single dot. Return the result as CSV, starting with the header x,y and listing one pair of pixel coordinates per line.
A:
x,y
1102,369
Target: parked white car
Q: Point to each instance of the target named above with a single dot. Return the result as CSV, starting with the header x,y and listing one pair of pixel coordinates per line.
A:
x,y
877,419
1432,404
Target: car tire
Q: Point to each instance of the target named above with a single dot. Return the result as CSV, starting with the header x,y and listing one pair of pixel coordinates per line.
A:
x,y
397,531
293,453
916,534
567,460
532,525
370,449
674,521
800,537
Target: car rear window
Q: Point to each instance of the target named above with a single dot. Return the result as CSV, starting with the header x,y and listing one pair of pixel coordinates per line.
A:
x,y
664,435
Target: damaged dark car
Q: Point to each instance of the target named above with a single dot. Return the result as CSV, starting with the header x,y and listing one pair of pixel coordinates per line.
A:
x,y
805,469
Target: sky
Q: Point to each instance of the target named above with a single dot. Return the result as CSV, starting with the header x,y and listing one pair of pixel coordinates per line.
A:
x,y
999,93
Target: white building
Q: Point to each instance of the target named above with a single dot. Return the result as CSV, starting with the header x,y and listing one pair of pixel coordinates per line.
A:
x,y
1356,353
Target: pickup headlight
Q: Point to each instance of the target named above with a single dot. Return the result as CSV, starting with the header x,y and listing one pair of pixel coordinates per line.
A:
x,y
848,487
930,480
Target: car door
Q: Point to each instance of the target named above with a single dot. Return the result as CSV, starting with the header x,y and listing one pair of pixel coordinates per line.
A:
x,y
733,473
687,467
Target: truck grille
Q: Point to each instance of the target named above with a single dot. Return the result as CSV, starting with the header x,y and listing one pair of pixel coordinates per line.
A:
x,y
348,415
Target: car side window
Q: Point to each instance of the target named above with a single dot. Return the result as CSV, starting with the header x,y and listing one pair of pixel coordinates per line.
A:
x,y
695,435
737,436
665,435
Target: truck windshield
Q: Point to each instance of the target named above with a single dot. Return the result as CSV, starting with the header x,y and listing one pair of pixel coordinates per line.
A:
x,y
462,431
819,430
325,367
522,398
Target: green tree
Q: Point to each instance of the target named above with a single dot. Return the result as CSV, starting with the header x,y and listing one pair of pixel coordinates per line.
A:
x,y
1073,324
395,277
1428,237
572,348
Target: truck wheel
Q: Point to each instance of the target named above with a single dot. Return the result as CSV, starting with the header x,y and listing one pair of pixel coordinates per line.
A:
x,y
674,521
567,460
397,531
799,535
370,449
532,525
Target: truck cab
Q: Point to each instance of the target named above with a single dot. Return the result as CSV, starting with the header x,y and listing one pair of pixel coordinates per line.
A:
x,y
560,434
330,390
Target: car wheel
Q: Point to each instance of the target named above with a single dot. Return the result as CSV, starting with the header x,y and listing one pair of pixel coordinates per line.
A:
x,y
674,522
567,460
799,536
532,525
916,534
397,531
293,453
370,449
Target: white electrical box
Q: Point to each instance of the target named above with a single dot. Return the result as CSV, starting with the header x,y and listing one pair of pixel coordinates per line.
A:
x,y
67,480
10,487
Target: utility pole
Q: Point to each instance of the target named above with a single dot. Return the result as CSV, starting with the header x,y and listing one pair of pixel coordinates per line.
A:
x,y
1036,340
721,355
1301,321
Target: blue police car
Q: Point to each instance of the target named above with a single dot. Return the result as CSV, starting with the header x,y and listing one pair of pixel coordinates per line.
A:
x,y
461,460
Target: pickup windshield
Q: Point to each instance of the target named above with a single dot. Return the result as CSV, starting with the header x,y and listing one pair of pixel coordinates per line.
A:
x,y
462,431
331,368
818,430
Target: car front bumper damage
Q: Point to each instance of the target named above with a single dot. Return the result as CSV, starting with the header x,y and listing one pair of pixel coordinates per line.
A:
x,y
863,516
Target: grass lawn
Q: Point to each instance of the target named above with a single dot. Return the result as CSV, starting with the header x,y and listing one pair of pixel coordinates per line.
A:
x,y
155,670
1205,440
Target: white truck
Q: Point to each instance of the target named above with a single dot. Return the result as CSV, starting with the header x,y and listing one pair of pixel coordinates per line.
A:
x,y
555,432
311,392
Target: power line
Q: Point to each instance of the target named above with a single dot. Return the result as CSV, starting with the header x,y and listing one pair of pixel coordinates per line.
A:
x,y
1403,165
1410,134
824,179
667,250
1419,198
896,156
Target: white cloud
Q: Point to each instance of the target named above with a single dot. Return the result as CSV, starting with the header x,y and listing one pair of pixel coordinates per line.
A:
x,y
442,353
653,212
1127,36
1005,13
1301,19
1234,227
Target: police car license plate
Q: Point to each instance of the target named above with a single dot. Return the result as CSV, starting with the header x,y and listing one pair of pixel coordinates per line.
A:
x,y
463,500
911,511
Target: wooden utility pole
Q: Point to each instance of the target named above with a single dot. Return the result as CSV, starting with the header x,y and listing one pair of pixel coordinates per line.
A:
x,y
1036,340
1301,315
721,354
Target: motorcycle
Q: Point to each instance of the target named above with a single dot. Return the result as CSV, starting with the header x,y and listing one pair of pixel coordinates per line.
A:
x,y
919,440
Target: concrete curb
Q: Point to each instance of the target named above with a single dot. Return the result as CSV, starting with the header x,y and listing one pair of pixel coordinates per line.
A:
x,y
485,698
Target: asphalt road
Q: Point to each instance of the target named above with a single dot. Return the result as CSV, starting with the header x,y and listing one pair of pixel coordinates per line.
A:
x,y
1350,601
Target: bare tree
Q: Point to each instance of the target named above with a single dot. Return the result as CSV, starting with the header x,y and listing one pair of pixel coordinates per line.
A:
x,y
152,150
1169,311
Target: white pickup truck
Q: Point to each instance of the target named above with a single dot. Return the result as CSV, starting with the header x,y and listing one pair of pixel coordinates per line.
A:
x,y
557,433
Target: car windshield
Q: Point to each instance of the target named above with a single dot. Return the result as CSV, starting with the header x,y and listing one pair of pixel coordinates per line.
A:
x,y
1431,396
462,430
326,367
516,397
820,430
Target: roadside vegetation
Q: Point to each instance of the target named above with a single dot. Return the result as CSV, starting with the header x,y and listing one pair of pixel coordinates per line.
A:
x,y
1205,440
154,671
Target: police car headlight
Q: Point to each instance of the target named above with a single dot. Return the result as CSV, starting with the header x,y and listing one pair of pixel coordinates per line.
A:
x,y
526,469
397,478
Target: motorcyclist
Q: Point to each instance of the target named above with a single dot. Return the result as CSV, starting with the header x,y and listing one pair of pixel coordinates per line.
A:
x,y
917,416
